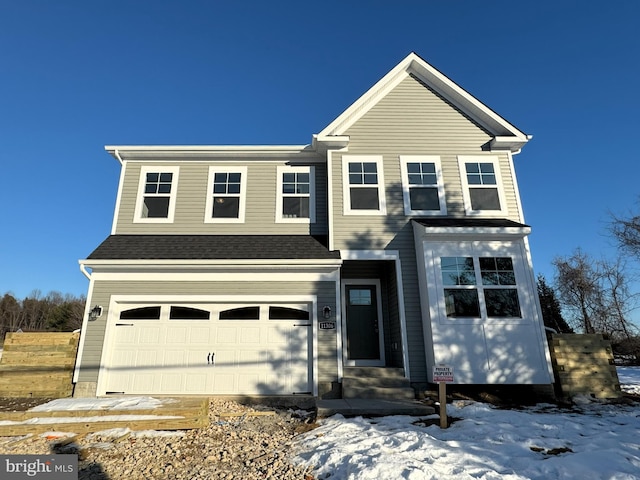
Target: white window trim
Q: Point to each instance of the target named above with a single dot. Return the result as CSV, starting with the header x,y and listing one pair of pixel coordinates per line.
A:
x,y
243,194
462,160
346,195
312,194
137,217
477,250
406,187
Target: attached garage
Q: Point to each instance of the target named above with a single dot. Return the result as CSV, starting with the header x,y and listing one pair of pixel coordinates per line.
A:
x,y
208,348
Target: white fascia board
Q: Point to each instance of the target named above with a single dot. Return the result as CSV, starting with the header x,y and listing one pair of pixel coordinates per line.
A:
x,y
413,64
466,233
324,143
207,152
209,265
511,144
363,104
463,99
369,254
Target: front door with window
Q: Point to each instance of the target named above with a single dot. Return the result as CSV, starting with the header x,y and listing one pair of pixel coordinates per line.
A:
x,y
364,338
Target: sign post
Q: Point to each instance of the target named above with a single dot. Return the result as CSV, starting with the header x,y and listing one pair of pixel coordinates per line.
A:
x,y
442,374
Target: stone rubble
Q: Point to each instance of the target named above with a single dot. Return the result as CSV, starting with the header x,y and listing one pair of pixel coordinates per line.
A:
x,y
231,447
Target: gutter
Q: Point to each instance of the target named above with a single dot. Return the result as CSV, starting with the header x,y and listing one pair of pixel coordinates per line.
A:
x,y
83,269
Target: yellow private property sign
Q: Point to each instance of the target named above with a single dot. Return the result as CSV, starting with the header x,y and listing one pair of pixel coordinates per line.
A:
x,y
442,374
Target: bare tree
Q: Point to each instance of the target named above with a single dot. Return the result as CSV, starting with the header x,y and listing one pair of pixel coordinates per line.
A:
x,y
577,282
620,301
53,312
597,294
626,231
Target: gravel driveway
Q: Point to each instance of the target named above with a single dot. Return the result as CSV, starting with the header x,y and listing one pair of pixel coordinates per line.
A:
x,y
236,447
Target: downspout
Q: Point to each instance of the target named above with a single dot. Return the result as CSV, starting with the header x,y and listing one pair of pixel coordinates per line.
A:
x,y
116,154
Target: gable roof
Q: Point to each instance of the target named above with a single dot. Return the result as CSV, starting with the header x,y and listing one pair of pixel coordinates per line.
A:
x,y
506,136
212,247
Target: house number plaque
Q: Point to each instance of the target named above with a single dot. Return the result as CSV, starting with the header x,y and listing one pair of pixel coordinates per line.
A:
x,y
327,325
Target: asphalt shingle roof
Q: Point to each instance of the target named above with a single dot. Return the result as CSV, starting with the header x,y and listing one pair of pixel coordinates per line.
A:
x,y
212,247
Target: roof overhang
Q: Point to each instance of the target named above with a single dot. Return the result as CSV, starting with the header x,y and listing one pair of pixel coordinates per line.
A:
x,y
481,229
235,265
172,153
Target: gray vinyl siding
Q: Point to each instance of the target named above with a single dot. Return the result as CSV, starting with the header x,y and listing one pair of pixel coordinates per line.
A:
x,y
410,120
103,290
191,198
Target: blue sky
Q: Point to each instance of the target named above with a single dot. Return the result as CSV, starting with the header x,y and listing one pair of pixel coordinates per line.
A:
x,y
77,75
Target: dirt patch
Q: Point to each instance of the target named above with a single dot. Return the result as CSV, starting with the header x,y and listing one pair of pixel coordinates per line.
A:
x,y
8,404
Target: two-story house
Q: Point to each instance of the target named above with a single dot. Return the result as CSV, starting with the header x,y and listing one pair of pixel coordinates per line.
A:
x,y
395,239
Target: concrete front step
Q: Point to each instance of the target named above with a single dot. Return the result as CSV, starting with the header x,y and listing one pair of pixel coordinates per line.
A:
x,y
387,382
381,393
373,372
376,383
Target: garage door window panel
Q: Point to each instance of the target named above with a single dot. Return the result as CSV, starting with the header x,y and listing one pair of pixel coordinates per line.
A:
x,y
287,313
241,313
188,313
141,313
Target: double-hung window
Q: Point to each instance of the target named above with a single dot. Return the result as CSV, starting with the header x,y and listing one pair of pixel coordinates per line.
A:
x,y
363,185
295,201
482,187
480,287
422,185
157,189
226,195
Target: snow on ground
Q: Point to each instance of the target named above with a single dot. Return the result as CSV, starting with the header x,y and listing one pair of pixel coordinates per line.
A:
x,y
121,403
594,441
129,404
629,379
94,419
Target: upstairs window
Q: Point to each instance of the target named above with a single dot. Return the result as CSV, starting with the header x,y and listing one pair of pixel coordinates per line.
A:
x,y
363,188
156,194
422,185
295,202
482,185
226,195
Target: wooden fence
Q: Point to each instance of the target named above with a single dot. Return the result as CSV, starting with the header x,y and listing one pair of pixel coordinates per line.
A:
x,y
583,365
38,364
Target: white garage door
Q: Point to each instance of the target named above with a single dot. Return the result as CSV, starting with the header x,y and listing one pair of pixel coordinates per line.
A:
x,y
209,349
